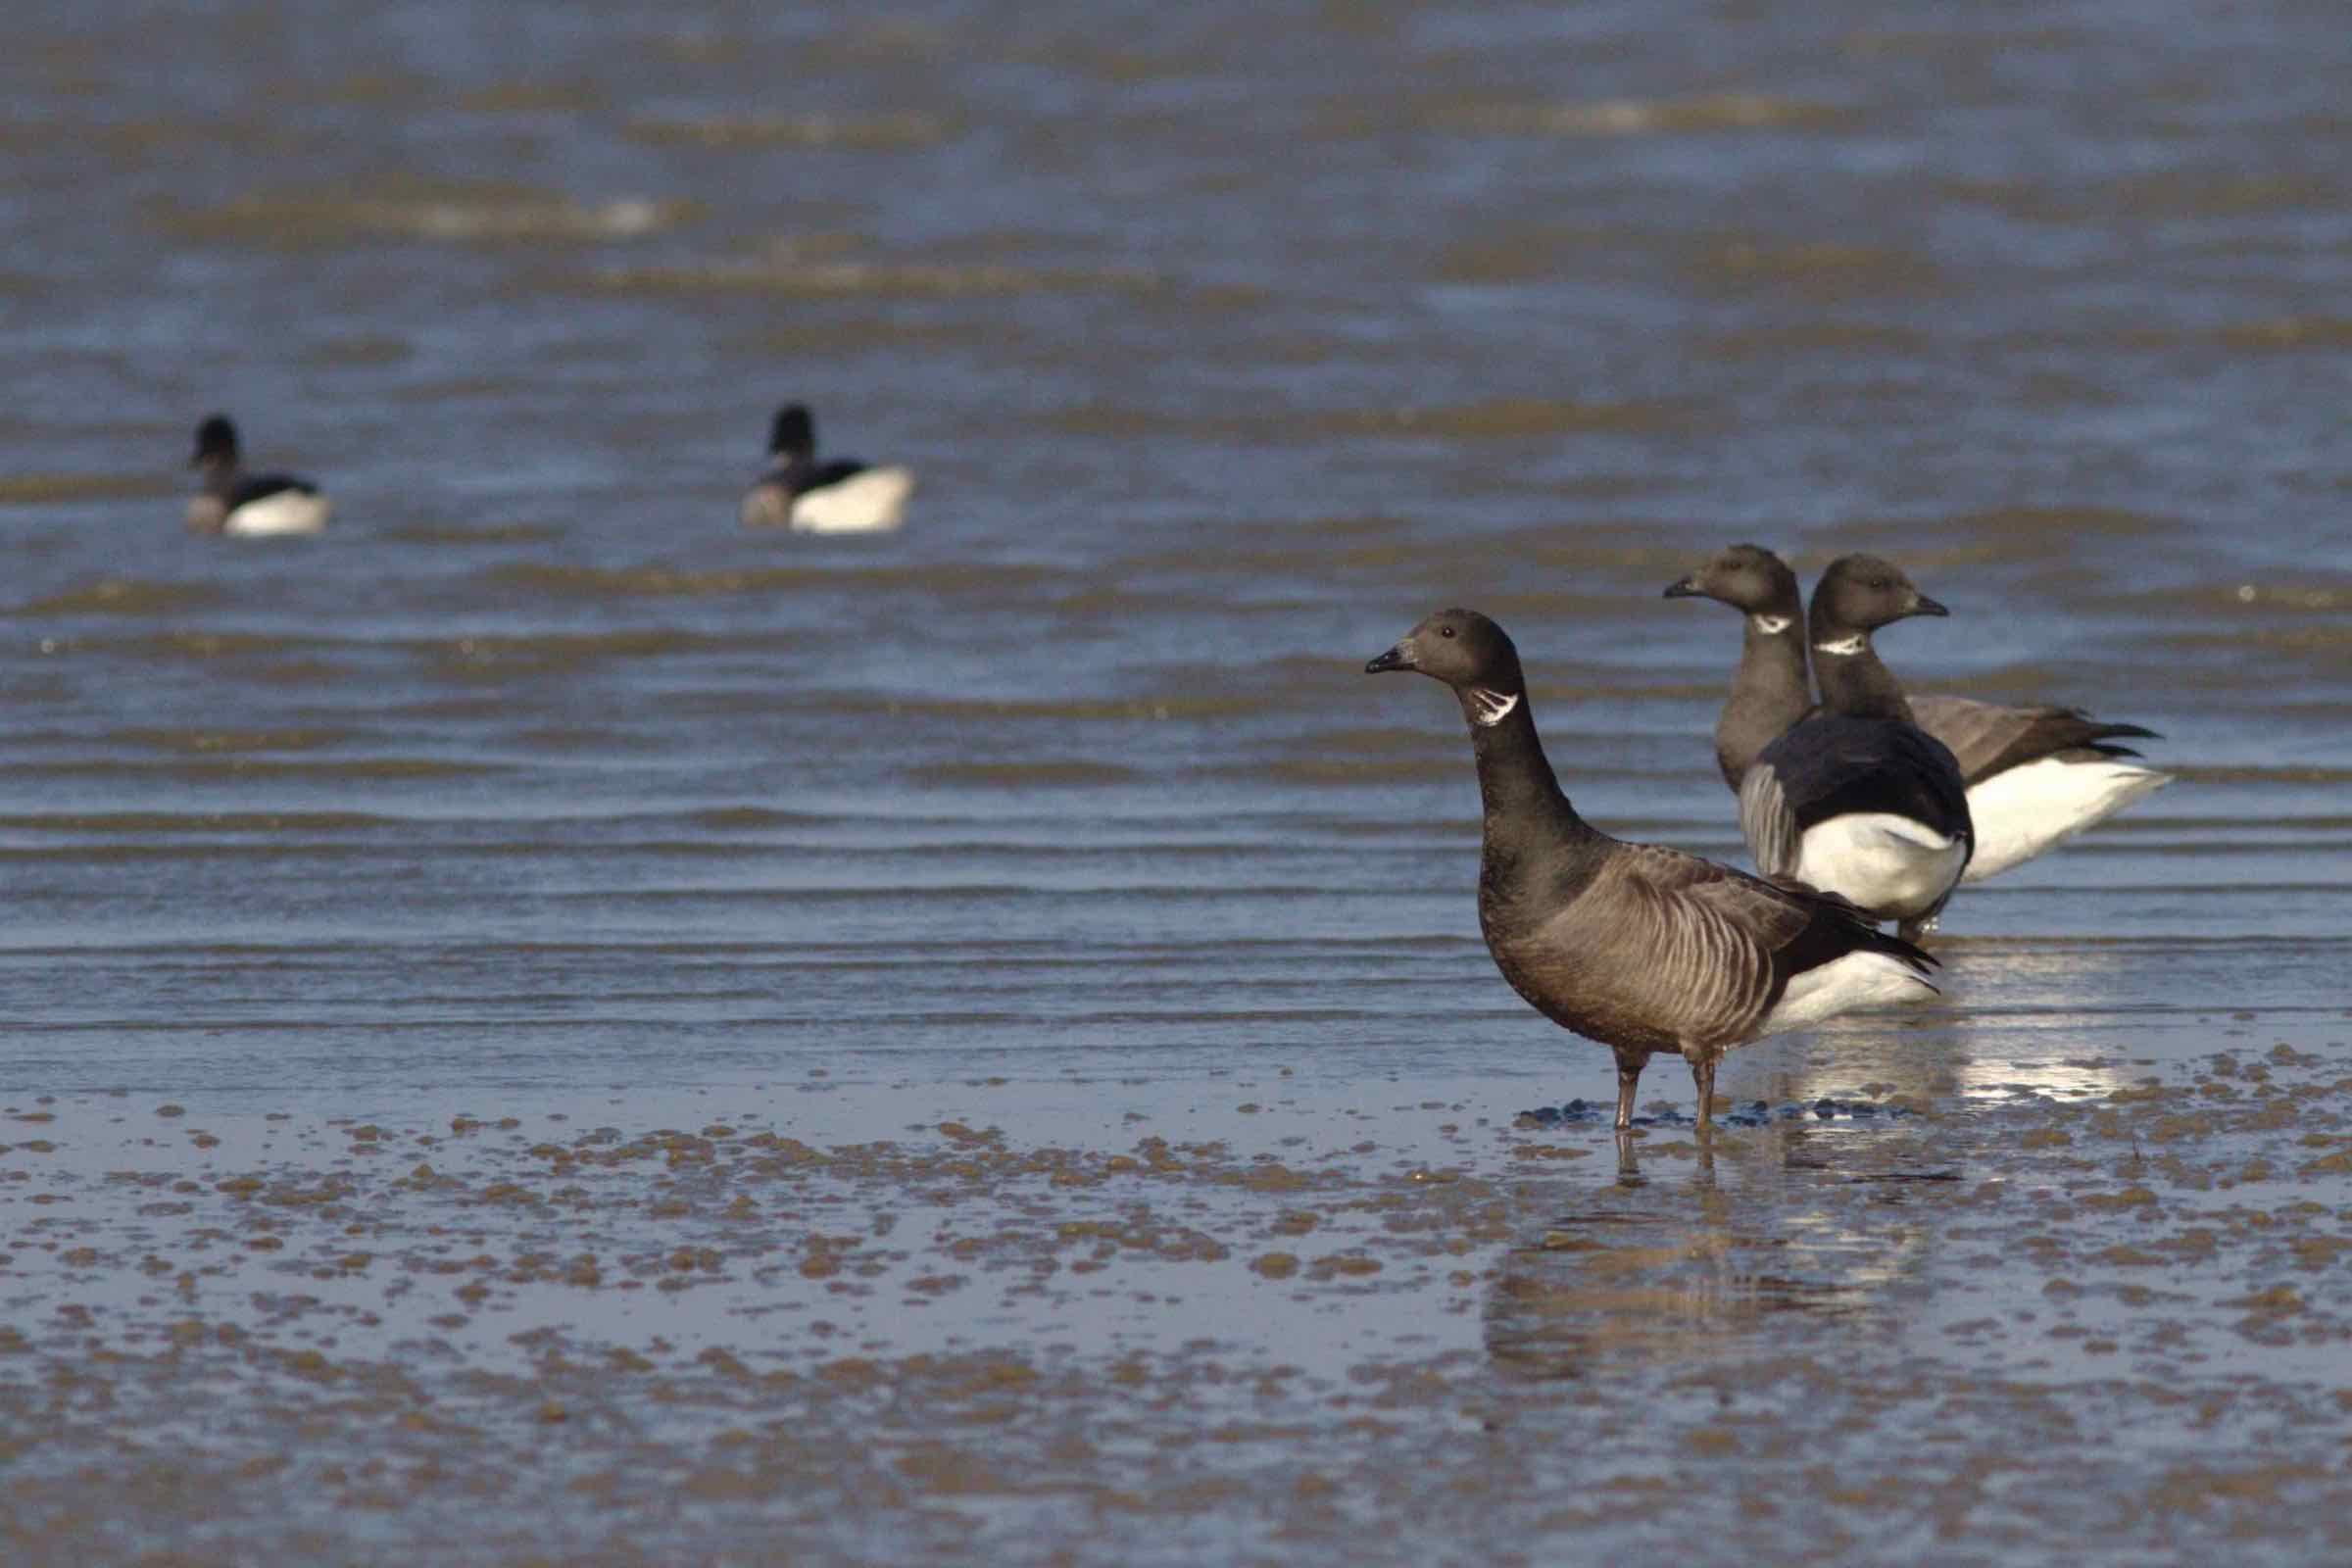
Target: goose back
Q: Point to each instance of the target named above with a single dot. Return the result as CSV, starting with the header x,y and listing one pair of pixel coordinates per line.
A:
x,y
249,488
1834,765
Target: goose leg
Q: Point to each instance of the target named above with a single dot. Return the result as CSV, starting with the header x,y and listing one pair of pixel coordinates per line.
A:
x,y
1629,1076
1703,1179
1702,1074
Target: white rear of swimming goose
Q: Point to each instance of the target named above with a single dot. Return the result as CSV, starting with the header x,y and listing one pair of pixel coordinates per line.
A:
x,y
248,506
1638,946
843,496
1861,802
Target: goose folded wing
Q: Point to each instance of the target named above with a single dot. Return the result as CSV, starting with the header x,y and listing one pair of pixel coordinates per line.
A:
x,y
1766,820
1836,765
1989,738
1709,948
1935,774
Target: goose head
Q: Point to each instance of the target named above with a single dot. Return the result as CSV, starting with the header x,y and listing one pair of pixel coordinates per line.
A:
x,y
1862,592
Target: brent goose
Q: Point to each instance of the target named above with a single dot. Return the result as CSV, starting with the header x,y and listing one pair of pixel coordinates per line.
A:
x,y
1770,690
1641,948
248,504
843,496
2035,776
1861,802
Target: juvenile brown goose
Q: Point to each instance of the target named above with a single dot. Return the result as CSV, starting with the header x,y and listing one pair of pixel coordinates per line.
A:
x,y
2035,776
1861,802
1638,946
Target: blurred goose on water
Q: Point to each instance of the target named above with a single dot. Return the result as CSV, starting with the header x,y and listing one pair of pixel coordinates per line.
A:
x,y
842,496
1638,946
1861,802
2035,776
248,506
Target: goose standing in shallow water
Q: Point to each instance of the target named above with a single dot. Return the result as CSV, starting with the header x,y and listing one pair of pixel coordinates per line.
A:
x,y
1770,690
248,506
843,496
1641,948
1861,802
2035,776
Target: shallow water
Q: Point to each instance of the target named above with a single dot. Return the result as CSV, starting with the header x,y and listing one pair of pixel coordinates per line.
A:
x,y
1000,1006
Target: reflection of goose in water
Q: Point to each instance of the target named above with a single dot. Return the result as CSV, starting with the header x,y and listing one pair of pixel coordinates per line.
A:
x,y
1663,1263
2059,1019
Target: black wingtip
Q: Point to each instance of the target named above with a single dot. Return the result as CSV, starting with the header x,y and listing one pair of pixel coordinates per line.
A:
x,y
1870,938
1911,952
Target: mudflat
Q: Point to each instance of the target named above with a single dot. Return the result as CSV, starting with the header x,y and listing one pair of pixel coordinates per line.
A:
x,y
542,1025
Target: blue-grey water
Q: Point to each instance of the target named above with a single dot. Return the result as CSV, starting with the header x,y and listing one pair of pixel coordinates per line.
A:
x,y
1225,342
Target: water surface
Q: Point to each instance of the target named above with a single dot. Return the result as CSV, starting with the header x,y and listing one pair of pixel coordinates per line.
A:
x,y
1226,343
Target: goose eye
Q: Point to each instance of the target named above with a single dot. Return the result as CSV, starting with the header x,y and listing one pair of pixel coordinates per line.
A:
x,y
1444,631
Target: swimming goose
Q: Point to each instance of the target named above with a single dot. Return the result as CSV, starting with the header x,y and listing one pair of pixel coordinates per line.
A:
x,y
843,496
249,506
1638,946
2035,776
1861,802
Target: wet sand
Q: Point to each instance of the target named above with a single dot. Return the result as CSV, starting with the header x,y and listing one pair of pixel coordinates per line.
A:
x,y
1913,1299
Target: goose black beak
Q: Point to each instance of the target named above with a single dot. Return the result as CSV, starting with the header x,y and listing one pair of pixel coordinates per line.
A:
x,y
1682,588
1922,605
1399,656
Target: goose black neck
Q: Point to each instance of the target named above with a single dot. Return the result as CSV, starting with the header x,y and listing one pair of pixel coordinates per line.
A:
x,y
1858,685
1770,690
1517,789
222,473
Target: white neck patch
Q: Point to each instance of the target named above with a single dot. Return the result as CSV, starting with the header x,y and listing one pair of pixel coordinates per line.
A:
x,y
1769,625
1843,644
1491,707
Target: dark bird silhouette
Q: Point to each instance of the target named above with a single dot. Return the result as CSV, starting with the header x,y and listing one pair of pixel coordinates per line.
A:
x,y
1638,946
